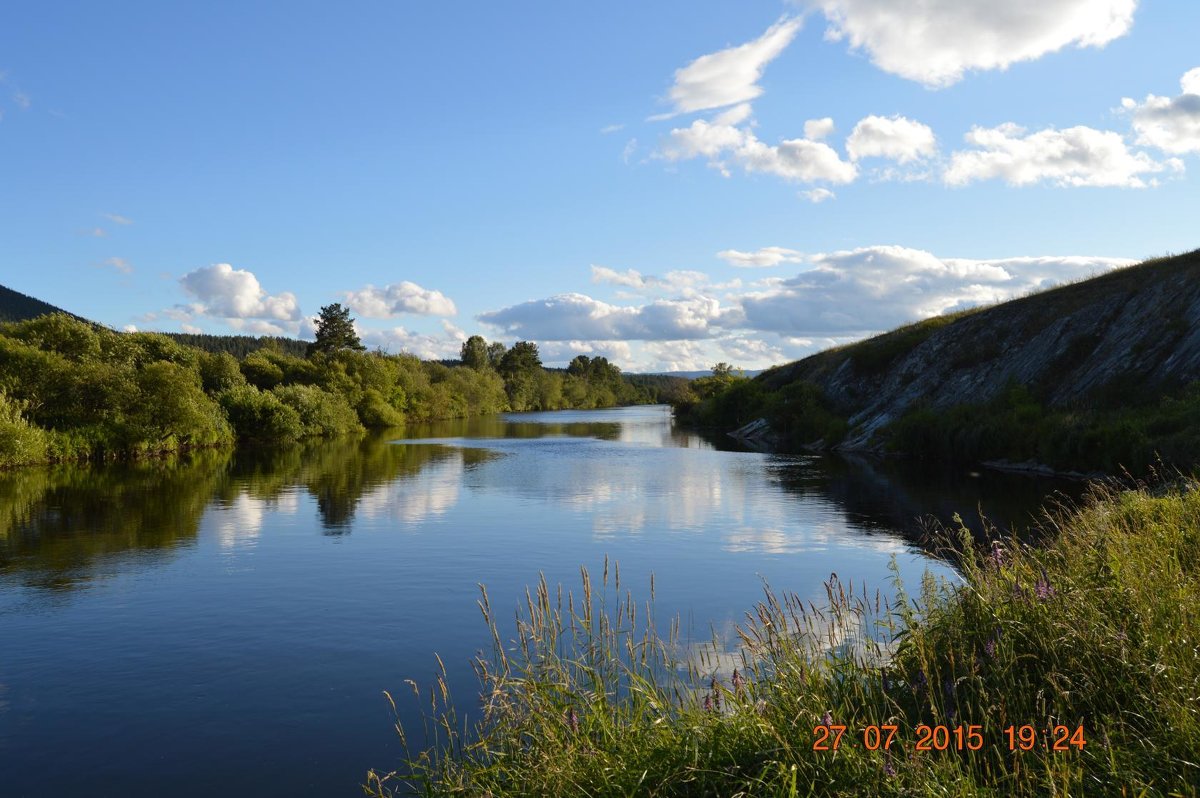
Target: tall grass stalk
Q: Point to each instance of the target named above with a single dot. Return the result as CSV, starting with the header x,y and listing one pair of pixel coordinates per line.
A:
x,y
1099,627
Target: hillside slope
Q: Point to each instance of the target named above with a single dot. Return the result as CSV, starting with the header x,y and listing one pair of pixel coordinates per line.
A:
x,y
1099,375
1123,338
15,306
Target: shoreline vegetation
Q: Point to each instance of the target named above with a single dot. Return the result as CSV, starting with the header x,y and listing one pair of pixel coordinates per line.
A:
x,y
1089,643
71,390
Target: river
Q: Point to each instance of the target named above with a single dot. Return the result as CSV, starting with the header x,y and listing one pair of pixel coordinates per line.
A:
x,y
226,623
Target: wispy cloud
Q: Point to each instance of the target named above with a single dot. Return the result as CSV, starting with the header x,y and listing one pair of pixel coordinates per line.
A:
x,y
765,257
119,264
729,76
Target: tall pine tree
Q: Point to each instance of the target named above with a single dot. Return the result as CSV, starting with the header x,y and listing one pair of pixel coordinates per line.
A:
x,y
335,331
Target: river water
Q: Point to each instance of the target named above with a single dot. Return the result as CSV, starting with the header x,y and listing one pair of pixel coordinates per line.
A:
x,y
226,623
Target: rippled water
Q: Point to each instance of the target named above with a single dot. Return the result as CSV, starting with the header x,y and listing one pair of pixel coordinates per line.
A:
x,y
226,623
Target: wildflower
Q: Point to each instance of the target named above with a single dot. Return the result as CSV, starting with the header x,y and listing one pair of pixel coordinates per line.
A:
x,y
919,683
572,720
989,648
888,768
738,680
716,693
708,704
827,718
997,555
1043,589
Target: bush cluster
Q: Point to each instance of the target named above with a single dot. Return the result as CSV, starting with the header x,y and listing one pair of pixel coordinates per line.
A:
x,y
799,413
72,390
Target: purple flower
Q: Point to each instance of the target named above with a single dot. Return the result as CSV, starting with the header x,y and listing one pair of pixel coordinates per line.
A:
x,y
989,648
997,555
1043,589
920,683
827,719
708,704
572,720
738,681
888,768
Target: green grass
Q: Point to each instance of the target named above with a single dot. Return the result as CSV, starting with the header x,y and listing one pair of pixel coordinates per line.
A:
x,y
1099,628
1118,437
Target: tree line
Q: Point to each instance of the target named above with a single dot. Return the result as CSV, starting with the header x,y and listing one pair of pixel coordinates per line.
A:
x,y
72,390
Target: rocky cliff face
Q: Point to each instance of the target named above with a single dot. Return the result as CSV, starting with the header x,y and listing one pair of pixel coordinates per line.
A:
x,y
1128,335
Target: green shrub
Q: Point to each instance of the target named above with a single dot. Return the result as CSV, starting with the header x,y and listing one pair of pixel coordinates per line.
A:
x,y
219,371
260,415
376,413
260,371
321,413
21,443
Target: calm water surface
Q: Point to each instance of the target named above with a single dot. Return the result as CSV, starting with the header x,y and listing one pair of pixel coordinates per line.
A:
x,y
226,624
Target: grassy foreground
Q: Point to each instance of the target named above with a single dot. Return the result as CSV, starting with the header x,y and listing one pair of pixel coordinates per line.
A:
x,y
1099,628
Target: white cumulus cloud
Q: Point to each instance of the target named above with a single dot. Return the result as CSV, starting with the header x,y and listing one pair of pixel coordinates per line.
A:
x,y
730,76
894,137
935,42
221,290
399,298
801,160
1075,156
817,129
1172,124
571,317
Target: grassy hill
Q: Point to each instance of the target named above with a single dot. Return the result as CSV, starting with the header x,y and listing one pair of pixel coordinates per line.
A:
x,y
1099,374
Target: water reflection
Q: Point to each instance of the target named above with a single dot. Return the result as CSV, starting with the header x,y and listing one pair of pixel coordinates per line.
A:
x,y
57,525
62,527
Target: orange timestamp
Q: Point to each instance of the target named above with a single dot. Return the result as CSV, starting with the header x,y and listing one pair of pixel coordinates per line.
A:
x,y
831,736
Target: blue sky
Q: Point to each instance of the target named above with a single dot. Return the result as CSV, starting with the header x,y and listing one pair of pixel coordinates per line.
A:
x,y
669,184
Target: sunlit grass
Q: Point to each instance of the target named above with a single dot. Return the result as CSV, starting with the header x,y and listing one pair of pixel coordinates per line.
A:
x,y
1098,628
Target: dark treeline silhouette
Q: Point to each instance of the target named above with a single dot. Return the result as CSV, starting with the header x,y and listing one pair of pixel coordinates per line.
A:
x,y
240,345
15,306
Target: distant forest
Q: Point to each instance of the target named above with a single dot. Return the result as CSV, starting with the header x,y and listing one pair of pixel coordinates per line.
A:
x,y
241,345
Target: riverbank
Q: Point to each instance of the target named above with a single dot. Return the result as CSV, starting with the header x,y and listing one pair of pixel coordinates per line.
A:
x,y
73,391
1086,648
